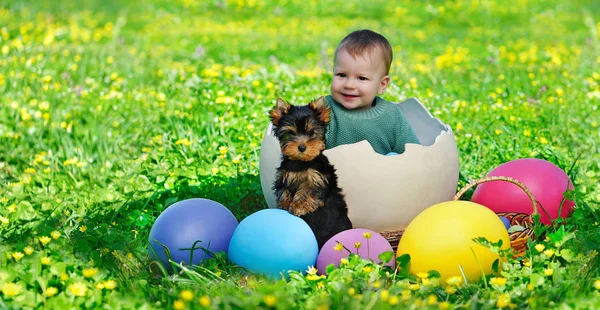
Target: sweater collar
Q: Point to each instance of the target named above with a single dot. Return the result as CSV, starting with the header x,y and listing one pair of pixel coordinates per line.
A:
x,y
370,113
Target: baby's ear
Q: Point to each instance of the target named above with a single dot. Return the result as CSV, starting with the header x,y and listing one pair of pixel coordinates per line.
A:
x,y
320,106
385,81
281,108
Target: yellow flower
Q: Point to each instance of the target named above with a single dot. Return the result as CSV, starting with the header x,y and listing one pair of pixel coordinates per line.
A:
x,y
548,271
77,289
314,277
423,275
45,260
351,291
64,277
414,286
367,234
205,301
368,269
311,270
17,256
110,284
450,289
100,286
90,272
384,294
184,141
11,289
343,261
432,299
357,244
51,291
28,250
498,281
393,300
444,305
178,305
597,284
338,247
540,247
83,228
549,253
503,301
530,286
270,300
455,280
186,295
44,240
223,150
543,140
55,234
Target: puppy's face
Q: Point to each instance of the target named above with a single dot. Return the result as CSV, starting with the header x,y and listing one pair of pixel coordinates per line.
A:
x,y
300,129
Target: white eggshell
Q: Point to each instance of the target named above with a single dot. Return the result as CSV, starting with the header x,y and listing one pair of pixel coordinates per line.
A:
x,y
385,192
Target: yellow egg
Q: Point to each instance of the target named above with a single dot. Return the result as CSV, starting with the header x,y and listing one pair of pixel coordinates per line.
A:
x,y
441,238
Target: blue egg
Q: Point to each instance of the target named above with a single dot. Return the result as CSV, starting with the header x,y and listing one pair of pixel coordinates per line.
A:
x,y
506,222
391,154
273,241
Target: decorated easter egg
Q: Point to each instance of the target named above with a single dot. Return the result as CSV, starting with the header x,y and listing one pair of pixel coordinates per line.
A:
x,y
191,229
441,238
363,242
272,242
546,181
505,221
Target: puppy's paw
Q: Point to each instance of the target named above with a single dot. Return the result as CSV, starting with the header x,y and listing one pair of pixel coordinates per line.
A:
x,y
305,204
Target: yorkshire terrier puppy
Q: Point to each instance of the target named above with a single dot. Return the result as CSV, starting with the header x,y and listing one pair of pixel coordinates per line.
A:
x,y
306,183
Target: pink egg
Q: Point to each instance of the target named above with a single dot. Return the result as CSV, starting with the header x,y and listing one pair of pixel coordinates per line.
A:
x,y
370,247
545,180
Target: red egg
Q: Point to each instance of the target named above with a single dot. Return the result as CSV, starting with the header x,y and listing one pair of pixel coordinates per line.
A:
x,y
545,180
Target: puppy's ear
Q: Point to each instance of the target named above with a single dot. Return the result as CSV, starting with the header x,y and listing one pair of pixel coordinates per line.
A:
x,y
281,108
320,106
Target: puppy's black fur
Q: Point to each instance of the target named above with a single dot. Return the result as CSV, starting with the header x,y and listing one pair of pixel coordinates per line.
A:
x,y
306,183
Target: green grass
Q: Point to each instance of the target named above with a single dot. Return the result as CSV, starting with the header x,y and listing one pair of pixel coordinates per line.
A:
x,y
112,110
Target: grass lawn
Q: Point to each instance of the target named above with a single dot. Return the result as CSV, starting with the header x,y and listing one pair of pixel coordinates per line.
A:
x,y
110,111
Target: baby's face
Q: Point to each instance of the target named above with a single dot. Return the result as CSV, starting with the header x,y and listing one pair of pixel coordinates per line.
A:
x,y
356,81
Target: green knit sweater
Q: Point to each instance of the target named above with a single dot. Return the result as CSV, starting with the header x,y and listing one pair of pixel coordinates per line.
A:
x,y
383,126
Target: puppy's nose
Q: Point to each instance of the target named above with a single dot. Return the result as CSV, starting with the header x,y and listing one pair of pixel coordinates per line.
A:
x,y
301,147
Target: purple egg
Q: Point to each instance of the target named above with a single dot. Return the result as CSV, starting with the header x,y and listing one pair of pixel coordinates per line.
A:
x,y
369,248
506,222
201,223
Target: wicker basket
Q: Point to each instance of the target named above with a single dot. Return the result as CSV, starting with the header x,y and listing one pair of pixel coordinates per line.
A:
x,y
518,239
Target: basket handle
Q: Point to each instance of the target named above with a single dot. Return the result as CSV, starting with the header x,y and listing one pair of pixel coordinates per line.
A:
x,y
498,178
